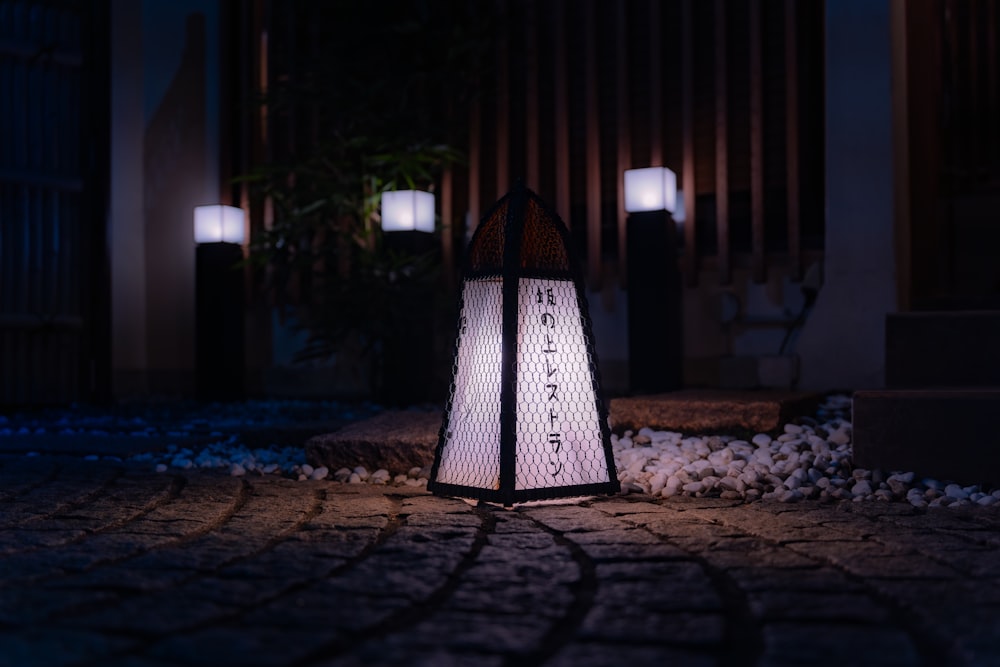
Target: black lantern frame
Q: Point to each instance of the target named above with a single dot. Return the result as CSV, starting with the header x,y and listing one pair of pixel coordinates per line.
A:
x,y
525,418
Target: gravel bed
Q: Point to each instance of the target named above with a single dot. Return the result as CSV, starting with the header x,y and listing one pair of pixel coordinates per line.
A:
x,y
811,459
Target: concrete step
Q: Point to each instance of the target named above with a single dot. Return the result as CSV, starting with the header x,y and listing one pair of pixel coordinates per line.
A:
x,y
947,434
942,349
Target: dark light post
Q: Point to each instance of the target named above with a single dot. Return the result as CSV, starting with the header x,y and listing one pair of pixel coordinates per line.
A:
x,y
219,327
655,331
407,351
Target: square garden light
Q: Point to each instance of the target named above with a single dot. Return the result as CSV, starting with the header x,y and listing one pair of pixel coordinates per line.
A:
x,y
217,223
525,419
407,210
650,189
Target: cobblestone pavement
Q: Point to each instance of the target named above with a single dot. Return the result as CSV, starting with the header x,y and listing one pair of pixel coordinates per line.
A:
x,y
110,564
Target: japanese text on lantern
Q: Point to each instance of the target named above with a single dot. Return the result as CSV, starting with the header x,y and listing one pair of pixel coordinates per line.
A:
x,y
547,298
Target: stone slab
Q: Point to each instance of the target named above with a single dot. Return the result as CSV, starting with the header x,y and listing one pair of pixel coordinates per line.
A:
x,y
707,411
400,440
945,433
394,440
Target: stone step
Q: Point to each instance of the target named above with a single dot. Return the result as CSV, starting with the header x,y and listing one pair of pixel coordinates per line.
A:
x,y
947,434
712,411
400,440
942,349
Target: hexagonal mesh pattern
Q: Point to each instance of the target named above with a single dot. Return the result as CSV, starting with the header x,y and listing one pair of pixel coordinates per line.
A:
x,y
470,455
541,248
558,433
559,439
524,419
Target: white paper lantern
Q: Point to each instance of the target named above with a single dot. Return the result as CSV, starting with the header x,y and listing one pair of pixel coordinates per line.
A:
x,y
650,189
525,419
407,210
217,223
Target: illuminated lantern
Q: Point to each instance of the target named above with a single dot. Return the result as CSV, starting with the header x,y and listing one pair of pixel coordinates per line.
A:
x,y
525,419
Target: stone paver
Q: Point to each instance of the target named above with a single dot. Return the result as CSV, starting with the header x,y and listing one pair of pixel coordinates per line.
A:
x,y
106,563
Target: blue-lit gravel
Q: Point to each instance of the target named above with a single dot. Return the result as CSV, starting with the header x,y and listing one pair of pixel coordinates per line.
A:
x,y
812,459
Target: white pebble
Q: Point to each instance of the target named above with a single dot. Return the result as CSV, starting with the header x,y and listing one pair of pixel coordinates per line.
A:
x,y
161,467
656,483
307,469
320,473
236,470
839,438
761,440
956,492
862,488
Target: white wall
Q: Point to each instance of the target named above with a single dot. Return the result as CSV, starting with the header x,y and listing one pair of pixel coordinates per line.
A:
x,y
843,343
126,227
152,249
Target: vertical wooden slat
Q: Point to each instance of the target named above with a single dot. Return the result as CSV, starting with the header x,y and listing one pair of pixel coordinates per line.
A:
x,y
902,174
655,86
974,121
531,131
919,81
792,140
447,229
593,147
561,112
992,110
502,139
687,128
721,146
624,136
475,123
758,264
954,79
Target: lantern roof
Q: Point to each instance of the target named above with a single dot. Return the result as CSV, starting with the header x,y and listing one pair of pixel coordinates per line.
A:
x,y
540,239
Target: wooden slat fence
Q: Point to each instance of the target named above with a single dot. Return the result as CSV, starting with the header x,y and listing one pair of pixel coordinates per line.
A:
x,y
729,94
715,91
51,291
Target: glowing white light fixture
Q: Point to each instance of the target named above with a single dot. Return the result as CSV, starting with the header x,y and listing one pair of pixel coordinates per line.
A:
x,y
407,210
525,419
217,223
650,189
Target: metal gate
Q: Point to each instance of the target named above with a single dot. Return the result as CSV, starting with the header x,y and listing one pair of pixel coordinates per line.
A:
x,y
53,180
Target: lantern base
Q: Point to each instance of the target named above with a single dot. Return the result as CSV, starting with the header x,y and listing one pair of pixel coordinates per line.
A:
x,y
524,495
